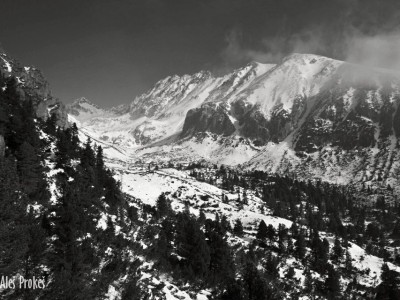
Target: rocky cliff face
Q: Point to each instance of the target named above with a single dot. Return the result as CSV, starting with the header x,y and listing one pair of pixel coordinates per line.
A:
x,y
312,100
32,83
208,118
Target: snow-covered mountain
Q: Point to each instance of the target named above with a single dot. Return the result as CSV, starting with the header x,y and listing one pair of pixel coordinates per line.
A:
x,y
160,113
311,115
82,109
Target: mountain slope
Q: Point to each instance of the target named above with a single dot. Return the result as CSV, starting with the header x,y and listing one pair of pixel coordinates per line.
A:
x,y
161,112
82,110
310,115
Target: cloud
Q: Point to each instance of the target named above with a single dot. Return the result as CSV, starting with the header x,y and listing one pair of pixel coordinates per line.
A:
x,y
236,53
372,50
271,49
365,32
378,50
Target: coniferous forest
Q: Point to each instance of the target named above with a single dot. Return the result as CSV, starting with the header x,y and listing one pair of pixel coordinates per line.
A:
x,y
55,239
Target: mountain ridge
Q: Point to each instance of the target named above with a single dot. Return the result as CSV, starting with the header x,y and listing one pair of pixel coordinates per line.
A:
x,y
310,115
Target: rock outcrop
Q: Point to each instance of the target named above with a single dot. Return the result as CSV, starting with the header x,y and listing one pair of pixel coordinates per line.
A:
x,y
32,84
208,118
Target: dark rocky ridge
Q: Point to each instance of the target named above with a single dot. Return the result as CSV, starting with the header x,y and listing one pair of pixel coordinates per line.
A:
x,y
32,83
208,118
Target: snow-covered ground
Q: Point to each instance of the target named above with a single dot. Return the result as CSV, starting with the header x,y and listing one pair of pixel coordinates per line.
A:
x,y
148,185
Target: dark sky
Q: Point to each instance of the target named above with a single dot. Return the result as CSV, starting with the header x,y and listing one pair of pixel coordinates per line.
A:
x,y
112,50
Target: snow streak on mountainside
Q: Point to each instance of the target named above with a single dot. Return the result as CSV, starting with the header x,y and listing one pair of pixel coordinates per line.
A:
x,y
310,115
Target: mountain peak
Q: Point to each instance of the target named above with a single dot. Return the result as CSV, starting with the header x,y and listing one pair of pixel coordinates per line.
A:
x,y
255,63
83,109
307,58
83,100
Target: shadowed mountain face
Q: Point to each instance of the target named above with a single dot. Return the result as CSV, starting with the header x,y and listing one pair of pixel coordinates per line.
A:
x,y
32,84
208,118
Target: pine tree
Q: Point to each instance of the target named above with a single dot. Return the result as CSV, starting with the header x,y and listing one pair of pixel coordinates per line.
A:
x,y
50,126
225,225
238,228
337,250
348,262
63,149
202,217
163,206
244,197
271,266
36,243
13,228
300,247
389,288
133,214
100,169
262,231
308,281
255,286
88,157
290,245
72,260
233,291
30,173
332,283
162,246
294,230
221,263
396,230
132,290
271,233
192,246
74,139
249,274
282,232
